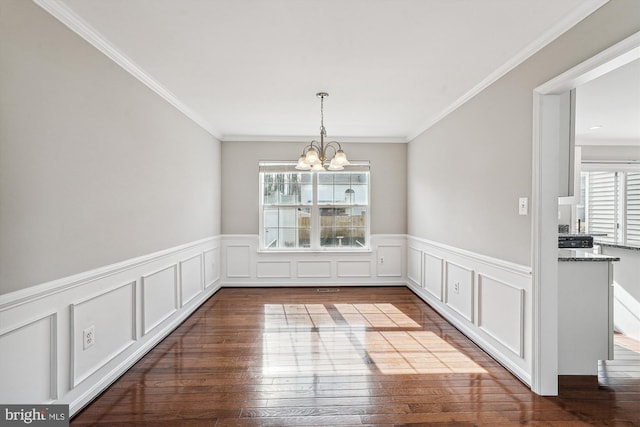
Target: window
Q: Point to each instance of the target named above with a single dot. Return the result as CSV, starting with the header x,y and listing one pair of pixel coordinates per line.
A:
x,y
303,210
612,206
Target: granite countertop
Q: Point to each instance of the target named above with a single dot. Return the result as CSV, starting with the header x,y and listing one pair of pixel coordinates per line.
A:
x,y
612,245
583,255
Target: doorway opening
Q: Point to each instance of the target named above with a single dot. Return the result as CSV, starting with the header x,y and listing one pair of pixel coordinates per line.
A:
x,y
546,167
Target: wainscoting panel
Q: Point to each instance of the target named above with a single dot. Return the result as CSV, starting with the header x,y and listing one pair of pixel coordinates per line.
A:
x,y
486,298
28,352
501,312
159,297
273,270
389,260
459,289
414,267
353,268
238,258
191,278
112,316
211,266
314,269
433,267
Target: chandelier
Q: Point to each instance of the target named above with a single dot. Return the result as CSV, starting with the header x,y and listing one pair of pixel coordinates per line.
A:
x,y
316,154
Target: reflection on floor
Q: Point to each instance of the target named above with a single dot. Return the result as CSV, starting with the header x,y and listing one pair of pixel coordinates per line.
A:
x,y
625,363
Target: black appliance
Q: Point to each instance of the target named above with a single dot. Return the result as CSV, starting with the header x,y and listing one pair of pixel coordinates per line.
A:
x,y
575,241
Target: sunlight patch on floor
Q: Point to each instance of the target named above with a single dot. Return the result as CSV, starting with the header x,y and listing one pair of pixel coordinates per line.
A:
x,y
350,343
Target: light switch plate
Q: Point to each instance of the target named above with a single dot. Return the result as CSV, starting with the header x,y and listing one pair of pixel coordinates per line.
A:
x,y
523,206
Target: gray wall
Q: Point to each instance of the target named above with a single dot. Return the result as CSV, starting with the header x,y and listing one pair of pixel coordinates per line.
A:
x,y
240,182
95,168
466,173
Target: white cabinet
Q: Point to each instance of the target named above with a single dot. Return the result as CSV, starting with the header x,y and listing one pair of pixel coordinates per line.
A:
x,y
585,327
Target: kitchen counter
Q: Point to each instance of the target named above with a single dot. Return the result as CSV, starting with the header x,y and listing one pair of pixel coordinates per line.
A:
x,y
583,255
612,245
585,311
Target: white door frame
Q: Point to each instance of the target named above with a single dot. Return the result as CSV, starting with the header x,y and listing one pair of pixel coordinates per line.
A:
x,y
544,251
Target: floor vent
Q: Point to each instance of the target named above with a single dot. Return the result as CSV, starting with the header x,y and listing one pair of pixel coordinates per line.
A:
x,y
328,290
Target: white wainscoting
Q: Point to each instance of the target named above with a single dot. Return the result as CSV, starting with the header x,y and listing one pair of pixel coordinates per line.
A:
x,y
134,304
244,265
28,352
131,306
488,299
159,296
115,329
191,278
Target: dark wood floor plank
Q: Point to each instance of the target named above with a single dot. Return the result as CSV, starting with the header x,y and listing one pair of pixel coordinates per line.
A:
x,y
360,356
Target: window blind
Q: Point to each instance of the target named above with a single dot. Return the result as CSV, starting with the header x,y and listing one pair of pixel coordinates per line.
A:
x,y
602,205
633,208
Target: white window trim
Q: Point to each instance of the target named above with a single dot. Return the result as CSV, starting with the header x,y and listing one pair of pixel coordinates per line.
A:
x,y
355,166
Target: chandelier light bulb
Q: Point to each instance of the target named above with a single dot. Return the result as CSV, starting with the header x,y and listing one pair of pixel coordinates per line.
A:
x,y
334,165
302,164
341,158
312,157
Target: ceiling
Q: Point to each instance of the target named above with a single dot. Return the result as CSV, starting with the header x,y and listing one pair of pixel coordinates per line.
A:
x,y
250,69
608,108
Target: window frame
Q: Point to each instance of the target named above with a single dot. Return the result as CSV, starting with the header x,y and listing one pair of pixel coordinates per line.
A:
x,y
315,208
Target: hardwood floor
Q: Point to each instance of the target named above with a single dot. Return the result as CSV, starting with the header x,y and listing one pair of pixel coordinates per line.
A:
x,y
359,356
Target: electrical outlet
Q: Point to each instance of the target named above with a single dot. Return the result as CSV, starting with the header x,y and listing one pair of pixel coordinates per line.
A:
x,y
456,287
88,337
381,260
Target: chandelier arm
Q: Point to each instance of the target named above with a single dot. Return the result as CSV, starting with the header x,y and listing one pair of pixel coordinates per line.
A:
x,y
332,145
308,147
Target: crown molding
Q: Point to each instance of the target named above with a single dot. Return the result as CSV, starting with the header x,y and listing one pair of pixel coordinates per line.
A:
x,y
76,24
585,9
307,139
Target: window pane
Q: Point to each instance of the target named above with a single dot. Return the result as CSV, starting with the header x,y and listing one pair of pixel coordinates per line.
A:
x,y
270,237
287,238
287,188
358,239
304,227
327,217
325,194
359,178
306,194
270,217
288,217
327,237
341,178
343,227
269,189
343,188
325,178
361,194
